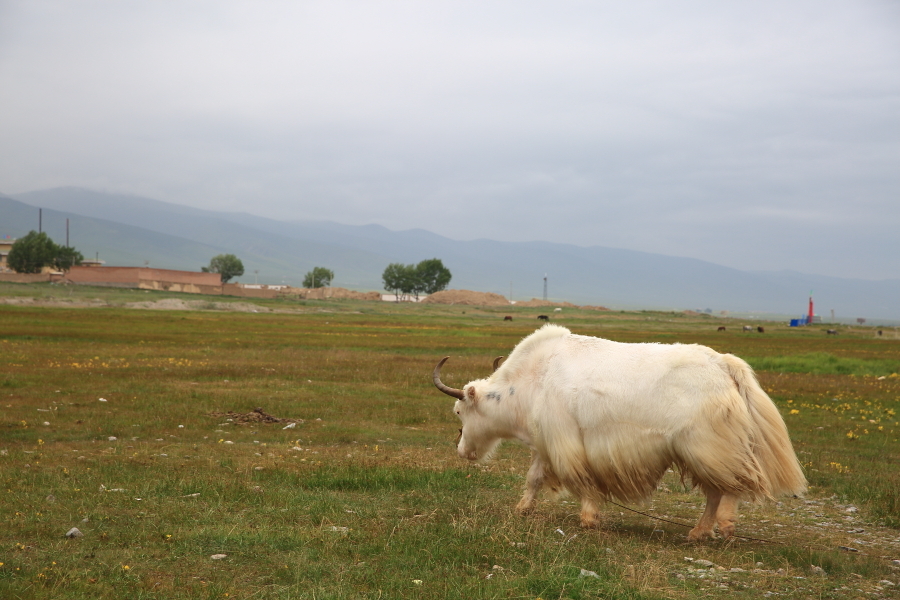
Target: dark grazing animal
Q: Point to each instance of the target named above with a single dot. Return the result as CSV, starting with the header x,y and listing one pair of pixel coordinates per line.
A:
x,y
831,332
507,318
760,329
721,328
543,317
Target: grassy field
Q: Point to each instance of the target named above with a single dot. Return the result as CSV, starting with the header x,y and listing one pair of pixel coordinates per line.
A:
x,y
134,426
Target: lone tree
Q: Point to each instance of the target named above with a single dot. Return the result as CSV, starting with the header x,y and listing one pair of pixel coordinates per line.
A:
x,y
36,250
429,276
318,277
433,275
226,265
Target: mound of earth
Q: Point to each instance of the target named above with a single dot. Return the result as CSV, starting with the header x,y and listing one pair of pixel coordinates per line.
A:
x,y
534,302
589,307
466,297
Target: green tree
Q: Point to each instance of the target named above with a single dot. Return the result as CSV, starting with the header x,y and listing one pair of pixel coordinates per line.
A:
x,y
399,279
318,277
66,257
32,253
429,276
433,275
226,265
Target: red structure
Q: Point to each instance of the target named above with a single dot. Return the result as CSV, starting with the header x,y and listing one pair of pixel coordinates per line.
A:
x,y
809,319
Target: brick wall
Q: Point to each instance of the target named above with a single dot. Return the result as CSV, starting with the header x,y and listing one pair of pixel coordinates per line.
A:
x,y
14,277
145,277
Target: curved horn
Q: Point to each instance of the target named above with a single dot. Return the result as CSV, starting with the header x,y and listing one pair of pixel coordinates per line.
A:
x,y
436,377
497,362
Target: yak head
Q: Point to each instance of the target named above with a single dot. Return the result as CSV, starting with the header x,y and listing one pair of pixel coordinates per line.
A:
x,y
477,437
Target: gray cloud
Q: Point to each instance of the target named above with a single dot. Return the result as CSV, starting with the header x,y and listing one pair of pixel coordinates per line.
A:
x,y
763,136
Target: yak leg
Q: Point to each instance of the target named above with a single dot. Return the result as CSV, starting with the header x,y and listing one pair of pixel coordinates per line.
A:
x,y
704,528
590,514
533,483
727,515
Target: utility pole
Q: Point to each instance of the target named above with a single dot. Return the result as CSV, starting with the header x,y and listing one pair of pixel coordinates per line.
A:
x,y
545,287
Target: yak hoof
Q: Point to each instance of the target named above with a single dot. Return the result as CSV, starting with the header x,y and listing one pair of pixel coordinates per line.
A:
x,y
590,520
525,506
726,528
698,535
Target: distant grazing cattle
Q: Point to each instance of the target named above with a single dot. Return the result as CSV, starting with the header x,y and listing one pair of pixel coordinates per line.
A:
x,y
831,332
721,328
507,318
543,317
581,403
760,329
557,310
748,328
879,332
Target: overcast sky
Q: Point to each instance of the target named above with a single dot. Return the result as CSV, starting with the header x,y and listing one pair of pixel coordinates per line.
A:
x,y
757,135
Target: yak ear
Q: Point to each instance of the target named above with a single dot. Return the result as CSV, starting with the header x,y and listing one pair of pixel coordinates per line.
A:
x,y
470,393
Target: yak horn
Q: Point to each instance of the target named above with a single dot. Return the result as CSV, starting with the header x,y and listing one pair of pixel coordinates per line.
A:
x,y
436,377
497,362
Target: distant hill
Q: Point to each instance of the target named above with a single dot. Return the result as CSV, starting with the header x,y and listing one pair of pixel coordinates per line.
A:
x,y
129,230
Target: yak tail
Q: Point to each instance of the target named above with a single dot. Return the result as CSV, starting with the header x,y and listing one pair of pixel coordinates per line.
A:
x,y
771,443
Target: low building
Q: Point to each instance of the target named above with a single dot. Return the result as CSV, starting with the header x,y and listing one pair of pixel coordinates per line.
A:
x,y
6,245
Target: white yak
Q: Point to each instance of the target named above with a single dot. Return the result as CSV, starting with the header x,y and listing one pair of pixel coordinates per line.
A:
x,y
606,420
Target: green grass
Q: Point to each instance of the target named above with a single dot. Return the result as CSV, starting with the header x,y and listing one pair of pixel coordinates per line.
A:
x,y
365,497
823,363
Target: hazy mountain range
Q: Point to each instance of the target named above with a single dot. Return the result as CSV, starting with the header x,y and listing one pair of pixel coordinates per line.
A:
x,y
126,230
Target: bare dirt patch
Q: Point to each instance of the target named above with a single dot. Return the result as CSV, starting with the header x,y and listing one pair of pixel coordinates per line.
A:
x,y
257,415
178,304
55,302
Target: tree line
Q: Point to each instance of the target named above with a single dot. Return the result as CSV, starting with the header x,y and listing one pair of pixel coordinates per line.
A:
x,y
427,277
33,252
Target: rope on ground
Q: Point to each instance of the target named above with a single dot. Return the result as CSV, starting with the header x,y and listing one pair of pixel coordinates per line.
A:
x,y
743,537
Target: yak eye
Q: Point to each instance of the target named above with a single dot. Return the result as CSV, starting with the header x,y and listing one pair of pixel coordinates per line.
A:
x,y
457,412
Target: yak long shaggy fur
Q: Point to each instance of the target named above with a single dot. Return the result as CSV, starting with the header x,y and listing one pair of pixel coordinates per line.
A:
x,y
607,419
